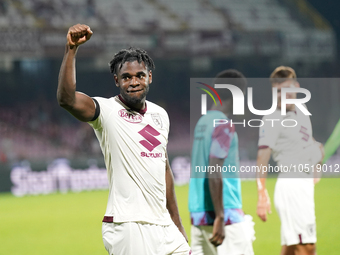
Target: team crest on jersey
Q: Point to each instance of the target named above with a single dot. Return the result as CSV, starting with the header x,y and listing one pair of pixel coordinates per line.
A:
x,y
130,117
157,119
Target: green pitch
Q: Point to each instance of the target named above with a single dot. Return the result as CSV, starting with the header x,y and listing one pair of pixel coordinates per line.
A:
x,y
71,223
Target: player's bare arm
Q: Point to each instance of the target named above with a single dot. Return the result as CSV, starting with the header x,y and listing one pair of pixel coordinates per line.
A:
x,y
216,192
78,104
263,204
171,201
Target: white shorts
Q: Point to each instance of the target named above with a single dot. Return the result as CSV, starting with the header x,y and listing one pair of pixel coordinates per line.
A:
x,y
238,240
294,202
131,238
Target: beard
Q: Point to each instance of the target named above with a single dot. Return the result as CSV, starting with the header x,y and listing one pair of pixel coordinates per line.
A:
x,y
134,99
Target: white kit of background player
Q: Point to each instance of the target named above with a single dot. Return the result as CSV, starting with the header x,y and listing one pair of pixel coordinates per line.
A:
x,y
295,150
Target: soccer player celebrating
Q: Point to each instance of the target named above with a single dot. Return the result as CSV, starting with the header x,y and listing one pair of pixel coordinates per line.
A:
x,y
142,215
292,148
218,222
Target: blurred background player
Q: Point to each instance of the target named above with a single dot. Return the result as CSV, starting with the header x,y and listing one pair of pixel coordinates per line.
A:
x,y
133,133
293,147
215,204
332,143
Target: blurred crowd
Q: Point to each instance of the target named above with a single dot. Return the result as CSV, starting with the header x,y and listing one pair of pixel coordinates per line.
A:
x,y
35,130
62,14
173,15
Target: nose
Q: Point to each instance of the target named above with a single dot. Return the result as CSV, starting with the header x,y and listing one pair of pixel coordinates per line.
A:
x,y
134,81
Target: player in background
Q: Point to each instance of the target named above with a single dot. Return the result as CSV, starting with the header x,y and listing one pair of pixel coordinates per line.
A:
x,y
215,204
332,143
142,215
293,147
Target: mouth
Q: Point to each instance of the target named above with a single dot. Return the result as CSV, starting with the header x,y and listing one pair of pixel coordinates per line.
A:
x,y
134,91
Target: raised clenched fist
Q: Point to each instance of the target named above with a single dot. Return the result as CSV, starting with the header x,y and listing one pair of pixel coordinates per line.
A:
x,y
78,34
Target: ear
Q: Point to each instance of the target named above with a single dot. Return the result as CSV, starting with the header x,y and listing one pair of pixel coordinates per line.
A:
x,y
150,76
116,80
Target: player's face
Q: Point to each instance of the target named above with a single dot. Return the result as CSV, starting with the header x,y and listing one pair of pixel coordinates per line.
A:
x,y
289,95
133,80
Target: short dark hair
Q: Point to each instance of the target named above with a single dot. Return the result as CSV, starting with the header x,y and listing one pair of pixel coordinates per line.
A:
x,y
282,74
230,76
128,55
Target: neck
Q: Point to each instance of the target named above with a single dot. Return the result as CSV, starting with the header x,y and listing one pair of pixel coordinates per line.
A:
x,y
138,106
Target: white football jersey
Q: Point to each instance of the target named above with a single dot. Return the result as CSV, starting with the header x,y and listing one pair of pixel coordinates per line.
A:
x,y
291,146
134,148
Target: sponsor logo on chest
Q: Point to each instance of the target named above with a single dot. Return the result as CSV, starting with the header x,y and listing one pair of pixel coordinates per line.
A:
x,y
130,117
151,155
150,142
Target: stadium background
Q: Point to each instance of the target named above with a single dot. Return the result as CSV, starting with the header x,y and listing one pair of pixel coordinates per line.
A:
x,y
39,141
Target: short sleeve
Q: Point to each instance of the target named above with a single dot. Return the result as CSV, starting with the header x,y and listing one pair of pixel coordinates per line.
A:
x,y
221,140
97,111
96,123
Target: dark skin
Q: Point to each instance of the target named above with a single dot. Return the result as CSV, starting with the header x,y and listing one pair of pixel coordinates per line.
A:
x,y
78,104
216,192
216,187
133,81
